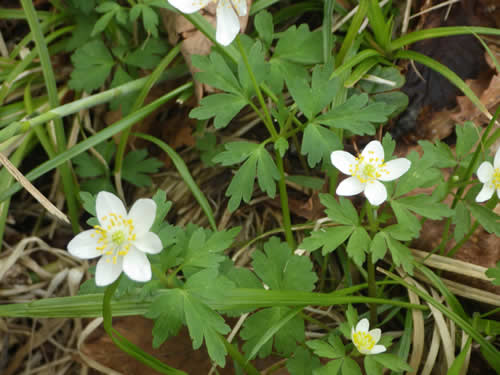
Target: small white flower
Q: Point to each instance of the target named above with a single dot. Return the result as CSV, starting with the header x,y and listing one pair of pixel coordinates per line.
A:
x,y
367,171
121,240
228,23
489,175
366,341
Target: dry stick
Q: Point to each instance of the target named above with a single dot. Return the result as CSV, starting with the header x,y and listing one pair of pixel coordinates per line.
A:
x,y
443,4
32,189
406,19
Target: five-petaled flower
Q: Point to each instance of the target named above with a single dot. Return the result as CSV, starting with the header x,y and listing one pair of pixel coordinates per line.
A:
x,y
121,240
367,171
489,175
366,341
228,23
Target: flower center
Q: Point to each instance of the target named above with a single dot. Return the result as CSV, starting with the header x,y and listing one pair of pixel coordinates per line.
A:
x,y
114,236
363,340
368,169
496,178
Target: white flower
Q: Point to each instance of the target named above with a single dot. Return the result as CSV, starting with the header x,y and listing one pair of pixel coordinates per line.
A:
x,y
228,23
489,175
121,240
367,171
366,341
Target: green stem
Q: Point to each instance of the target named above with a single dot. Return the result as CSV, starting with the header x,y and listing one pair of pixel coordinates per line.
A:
x,y
371,213
287,222
268,120
152,79
70,190
246,366
20,127
122,343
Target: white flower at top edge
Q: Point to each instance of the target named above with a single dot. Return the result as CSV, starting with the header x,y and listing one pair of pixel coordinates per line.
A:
x,y
228,23
367,171
489,175
365,340
121,239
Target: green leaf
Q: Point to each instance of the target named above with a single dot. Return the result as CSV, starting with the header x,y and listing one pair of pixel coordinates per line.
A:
x,y
312,99
88,202
281,145
258,65
267,172
392,362
224,107
358,245
318,143
215,72
440,153
388,73
241,186
331,368
486,217
92,63
264,25
395,100
302,362
494,273
137,166
280,269
401,255
405,218
314,183
467,136
341,212
162,207
149,55
372,367
356,115
426,206
124,102
235,153
378,247
167,310
285,339
420,174
300,45
81,33
205,248
461,219
350,367
149,18
389,145
328,238
334,349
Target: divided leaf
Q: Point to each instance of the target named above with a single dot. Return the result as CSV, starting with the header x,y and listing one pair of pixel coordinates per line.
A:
x,y
137,167
318,143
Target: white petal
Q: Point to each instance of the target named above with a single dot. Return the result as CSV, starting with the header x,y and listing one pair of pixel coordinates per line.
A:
x,y
143,214
228,23
363,325
84,246
107,203
343,161
485,193
240,6
373,149
376,193
485,172
394,169
107,271
350,186
377,349
148,243
496,161
189,6
136,266
375,333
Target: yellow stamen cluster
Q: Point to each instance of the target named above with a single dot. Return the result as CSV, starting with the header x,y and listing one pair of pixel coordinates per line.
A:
x,y
114,236
496,178
368,169
363,340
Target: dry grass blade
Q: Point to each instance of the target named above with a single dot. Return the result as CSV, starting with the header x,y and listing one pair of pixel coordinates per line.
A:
x,y
32,190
